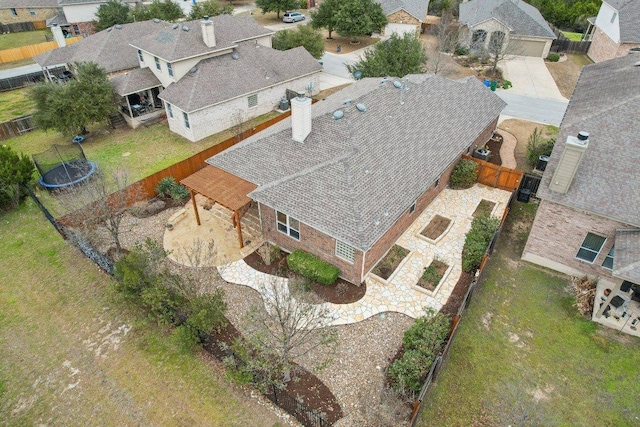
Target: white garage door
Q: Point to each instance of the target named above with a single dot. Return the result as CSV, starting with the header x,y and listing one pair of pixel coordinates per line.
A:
x,y
526,47
399,29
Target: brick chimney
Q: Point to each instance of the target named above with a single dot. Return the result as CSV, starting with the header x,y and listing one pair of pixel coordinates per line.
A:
x,y
208,33
300,117
58,36
569,162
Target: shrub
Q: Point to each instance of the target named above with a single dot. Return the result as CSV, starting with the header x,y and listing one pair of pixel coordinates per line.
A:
x,y
16,172
312,268
553,57
461,50
165,185
207,313
179,193
464,174
538,146
421,344
476,241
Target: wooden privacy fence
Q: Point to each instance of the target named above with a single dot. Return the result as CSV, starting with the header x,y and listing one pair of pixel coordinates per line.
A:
x,y
16,127
18,27
25,52
497,176
563,44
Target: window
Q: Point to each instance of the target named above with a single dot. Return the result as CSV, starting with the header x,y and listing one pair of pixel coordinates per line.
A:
x,y
170,110
186,120
412,208
14,12
76,30
591,247
288,225
608,261
32,11
140,57
478,39
613,17
346,252
253,100
169,69
157,63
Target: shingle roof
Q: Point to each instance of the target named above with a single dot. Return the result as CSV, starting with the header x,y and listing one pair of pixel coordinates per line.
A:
x,y
522,18
629,18
626,262
605,103
222,78
352,178
417,8
23,4
174,44
71,2
134,81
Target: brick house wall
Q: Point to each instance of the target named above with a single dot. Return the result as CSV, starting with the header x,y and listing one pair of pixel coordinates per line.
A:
x,y
557,234
602,47
24,15
312,241
324,246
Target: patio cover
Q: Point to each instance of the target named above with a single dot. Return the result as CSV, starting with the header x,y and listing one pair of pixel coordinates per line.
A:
x,y
626,260
134,81
222,187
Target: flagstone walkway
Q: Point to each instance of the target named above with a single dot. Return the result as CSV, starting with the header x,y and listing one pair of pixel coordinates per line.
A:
x,y
400,293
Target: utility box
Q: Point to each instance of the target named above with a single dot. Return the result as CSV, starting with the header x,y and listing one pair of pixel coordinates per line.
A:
x,y
524,194
481,153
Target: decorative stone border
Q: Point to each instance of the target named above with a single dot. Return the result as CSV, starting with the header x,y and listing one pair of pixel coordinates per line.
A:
x,y
398,268
176,218
440,237
435,291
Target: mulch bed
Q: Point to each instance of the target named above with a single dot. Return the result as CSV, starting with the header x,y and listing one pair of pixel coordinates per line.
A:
x,y
154,206
387,265
436,227
493,145
341,292
430,283
305,386
484,207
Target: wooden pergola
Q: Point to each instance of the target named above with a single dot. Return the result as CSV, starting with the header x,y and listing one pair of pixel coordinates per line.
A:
x,y
222,187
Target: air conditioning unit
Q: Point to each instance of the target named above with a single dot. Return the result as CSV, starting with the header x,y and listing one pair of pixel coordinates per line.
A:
x,y
481,153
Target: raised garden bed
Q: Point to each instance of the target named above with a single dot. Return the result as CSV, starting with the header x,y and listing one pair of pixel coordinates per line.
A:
x,y
436,227
432,275
387,265
485,207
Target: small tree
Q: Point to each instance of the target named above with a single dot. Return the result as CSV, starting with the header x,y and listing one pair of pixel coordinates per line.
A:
x,y
325,16
16,172
69,108
277,6
111,13
446,31
396,56
210,8
305,36
166,10
357,18
464,174
538,146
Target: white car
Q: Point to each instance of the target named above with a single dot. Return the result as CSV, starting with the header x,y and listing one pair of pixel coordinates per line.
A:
x,y
293,17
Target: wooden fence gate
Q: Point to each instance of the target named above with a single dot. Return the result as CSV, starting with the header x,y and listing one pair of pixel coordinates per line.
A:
x,y
497,176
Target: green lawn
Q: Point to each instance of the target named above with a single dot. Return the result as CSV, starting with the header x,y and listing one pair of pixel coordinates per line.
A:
x,y
523,349
576,37
25,38
73,355
15,103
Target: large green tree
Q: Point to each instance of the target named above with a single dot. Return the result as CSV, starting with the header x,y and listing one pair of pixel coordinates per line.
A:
x,y
16,172
396,56
165,10
277,6
210,8
70,107
305,36
325,15
111,13
357,18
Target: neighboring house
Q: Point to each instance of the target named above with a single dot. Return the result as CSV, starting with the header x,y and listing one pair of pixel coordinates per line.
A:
x,y
617,29
404,16
13,11
588,220
78,15
513,25
207,76
344,178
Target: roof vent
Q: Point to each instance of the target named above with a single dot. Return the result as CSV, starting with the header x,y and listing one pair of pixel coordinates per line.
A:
x,y
583,136
338,114
637,64
175,26
384,80
118,27
357,75
156,20
193,70
397,84
235,56
346,102
185,28
205,17
361,107
109,29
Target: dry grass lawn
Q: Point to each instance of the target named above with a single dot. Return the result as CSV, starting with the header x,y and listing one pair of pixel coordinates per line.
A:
x,y
566,73
522,129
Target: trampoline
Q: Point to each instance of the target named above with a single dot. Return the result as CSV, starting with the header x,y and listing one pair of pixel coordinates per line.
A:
x,y
63,165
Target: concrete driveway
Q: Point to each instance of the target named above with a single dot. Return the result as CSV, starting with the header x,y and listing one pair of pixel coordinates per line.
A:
x,y
530,77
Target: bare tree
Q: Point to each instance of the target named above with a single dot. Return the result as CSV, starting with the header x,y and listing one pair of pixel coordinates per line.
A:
x,y
198,255
292,325
381,406
446,32
239,123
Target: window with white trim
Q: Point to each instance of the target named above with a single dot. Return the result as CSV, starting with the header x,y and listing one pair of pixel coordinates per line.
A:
x,y
186,120
14,12
614,16
158,67
346,252
288,225
32,11
412,208
608,260
170,110
170,69
140,57
252,100
591,247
